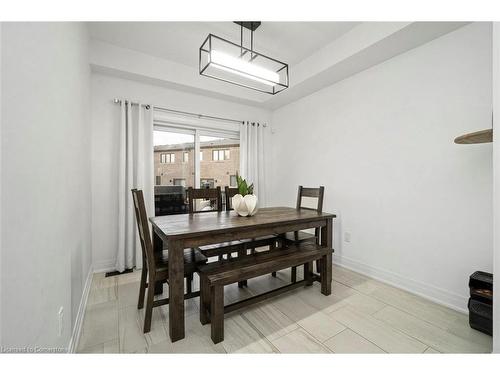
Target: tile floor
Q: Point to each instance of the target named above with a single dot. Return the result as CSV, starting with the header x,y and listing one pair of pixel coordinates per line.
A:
x,y
361,315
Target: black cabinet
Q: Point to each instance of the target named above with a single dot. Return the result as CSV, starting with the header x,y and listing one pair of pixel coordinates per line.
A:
x,y
170,200
481,302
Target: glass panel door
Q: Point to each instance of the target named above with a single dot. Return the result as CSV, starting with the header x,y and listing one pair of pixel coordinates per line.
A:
x,y
190,157
174,169
220,161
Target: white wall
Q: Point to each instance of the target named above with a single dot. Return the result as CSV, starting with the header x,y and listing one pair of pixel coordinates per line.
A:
x,y
46,240
418,206
1,26
105,127
496,185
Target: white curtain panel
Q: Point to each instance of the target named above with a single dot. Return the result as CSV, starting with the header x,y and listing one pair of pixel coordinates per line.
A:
x,y
252,159
135,171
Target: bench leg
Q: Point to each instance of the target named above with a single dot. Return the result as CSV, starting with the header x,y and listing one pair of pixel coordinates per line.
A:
x,y
217,313
204,301
294,274
308,267
326,274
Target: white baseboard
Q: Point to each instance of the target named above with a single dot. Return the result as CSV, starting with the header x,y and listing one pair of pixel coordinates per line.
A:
x,y
105,266
430,292
77,330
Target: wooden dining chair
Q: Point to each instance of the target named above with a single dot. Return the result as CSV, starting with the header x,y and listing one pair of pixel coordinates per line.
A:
x,y
303,236
214,195
155,264
229,193
251,243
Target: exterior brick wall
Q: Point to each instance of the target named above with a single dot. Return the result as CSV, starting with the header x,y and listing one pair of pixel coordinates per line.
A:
x,y
218,171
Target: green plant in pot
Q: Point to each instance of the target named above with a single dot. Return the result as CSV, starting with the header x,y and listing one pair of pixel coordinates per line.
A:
x,y
244,203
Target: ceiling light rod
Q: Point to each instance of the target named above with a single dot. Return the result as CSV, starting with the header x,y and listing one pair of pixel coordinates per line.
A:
x,y
252,26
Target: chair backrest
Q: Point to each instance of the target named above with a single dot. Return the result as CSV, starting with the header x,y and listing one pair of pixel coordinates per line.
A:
x,y
230,192
143,228
317,193
214,195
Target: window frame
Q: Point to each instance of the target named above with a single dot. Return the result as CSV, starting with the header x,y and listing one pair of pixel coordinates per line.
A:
x,y
219,152
231,176
197,131
169,157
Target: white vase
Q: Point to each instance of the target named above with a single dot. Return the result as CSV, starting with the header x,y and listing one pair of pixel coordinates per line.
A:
x,y
245,205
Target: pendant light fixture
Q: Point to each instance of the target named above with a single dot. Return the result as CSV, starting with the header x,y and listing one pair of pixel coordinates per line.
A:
x,y
234,63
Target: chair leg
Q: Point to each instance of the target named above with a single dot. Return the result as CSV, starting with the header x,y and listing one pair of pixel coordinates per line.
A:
x,y
294,274
204,301
189,283
318,266
271,248
217,313
308,273
242,253
142,287
149,305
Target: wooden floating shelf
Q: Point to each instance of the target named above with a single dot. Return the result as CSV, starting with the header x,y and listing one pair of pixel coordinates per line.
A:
x,y
482,136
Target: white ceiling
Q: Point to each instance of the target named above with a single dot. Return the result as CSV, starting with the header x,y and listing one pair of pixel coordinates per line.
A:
x,y
318,53
290,42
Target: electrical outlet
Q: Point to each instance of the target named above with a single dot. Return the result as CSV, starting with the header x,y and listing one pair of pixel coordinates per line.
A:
x,y
347,236
60,317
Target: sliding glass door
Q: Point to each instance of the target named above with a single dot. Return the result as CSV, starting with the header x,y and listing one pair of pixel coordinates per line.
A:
x,y
196,157
174,169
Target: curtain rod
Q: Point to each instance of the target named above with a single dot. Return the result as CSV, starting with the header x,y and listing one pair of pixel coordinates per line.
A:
x,y
116,101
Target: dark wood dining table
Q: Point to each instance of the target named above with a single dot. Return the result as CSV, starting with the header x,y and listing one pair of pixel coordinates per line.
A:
x,y
184,231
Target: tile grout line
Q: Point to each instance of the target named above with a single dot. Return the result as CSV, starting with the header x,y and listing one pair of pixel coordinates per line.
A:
x,y
423,342
402,310
92,306
305,329
348,279
396,307
405,333
396,329
360,335
300,327
258,332
381,321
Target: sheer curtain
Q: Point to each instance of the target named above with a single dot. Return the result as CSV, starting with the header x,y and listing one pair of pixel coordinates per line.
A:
x,y
135,170
252,160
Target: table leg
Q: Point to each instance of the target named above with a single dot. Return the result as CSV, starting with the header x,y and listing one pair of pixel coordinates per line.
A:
x,y
157,247
326,262
176,290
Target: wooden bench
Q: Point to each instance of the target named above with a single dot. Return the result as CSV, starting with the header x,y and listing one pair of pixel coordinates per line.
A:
x,y
214,276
